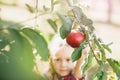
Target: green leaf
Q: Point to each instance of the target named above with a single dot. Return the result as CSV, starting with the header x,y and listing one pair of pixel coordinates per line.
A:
x,y
56,2
63,32
21,48
101,75
78,12
3,57
19,59
8,24
3,40
107,48
78,52
53,3
88,63
38,42
66,27
101,49
101,63
45,8
115,66
30,8
53,24
104,77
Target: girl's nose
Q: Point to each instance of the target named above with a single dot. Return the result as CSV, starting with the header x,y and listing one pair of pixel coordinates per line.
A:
x,y
63,63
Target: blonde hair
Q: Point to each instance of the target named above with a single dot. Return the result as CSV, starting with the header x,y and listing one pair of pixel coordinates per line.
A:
x,y
56,43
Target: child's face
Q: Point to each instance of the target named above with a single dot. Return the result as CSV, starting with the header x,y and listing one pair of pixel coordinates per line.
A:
x,y
62,61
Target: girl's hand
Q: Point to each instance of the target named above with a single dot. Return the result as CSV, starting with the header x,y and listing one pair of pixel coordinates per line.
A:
x,y
77,71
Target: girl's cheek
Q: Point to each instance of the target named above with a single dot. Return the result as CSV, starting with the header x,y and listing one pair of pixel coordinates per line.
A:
x,y
71,66
56,63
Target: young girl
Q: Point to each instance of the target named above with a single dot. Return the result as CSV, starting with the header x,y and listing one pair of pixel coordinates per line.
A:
x,y
61,65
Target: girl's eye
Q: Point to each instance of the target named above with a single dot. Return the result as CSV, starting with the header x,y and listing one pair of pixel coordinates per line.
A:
x,y
67,60
57,59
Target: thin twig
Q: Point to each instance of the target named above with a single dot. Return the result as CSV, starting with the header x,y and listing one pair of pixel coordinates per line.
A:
x,y
93,52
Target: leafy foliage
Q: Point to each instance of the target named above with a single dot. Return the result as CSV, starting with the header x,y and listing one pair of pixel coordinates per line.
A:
x,y
38,42
97,47
115,65
88,63
17,46
78,52
53,25
66,26
30,8
101,75
16,53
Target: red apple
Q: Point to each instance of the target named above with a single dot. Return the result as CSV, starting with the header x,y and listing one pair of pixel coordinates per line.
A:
x,y
74,38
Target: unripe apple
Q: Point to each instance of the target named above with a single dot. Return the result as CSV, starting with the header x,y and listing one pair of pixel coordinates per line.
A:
x,y
74,38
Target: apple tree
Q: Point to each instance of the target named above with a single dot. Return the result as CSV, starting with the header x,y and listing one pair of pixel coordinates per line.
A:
x,y
19,46
102,68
